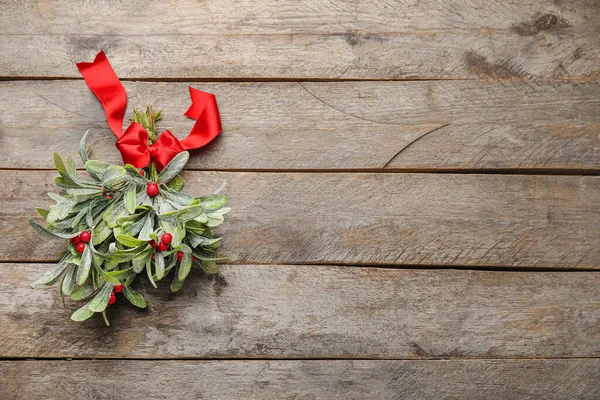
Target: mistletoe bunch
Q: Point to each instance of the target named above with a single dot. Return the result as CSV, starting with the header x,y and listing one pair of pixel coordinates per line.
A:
x,y
126,222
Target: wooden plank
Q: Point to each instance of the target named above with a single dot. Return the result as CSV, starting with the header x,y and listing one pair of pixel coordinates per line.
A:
x,y
137,17
369,218
316,125
305,40
286,311
343,379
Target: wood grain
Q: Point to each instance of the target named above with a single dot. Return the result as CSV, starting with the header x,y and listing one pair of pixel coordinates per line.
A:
x,y
369,218
473,379
453,125
305,40
286,311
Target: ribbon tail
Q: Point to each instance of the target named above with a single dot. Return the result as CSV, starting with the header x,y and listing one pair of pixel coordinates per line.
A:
x,y
205,111
104,83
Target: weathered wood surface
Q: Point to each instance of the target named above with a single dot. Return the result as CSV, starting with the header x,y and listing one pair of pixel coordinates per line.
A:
x,y
305,40
287,311
324,125
369,218
341,379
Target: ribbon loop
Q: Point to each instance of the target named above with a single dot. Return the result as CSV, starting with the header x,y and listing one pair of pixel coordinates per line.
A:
x,y
133,143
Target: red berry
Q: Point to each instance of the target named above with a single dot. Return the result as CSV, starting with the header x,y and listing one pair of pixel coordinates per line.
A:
x,y
142,173
113,299
166,238
75,240
109,197
179,256
153,244
193,258
85,236
80,247
162,246
118,289
152,190
153,256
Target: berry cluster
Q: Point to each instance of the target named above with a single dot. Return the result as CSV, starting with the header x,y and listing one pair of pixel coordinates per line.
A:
x,y
80,241
113,295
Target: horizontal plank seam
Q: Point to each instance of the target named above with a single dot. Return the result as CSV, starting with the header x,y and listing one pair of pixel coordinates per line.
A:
x,y
415,267
250,359
432,171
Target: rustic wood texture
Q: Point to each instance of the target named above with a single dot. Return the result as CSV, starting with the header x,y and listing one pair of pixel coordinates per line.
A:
x,y
415,211
369,218
305,40
433,125
287,311
366,379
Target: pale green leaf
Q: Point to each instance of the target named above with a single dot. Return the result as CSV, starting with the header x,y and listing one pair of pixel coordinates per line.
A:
x,y
84,269
130,199
134,297
68,283
83,313
174,167
50,277
101,233
159,264
129,241
96,167
100,301
185,266
213,202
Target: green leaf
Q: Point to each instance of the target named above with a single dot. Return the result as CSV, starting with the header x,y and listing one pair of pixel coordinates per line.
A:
x,y
42,212
83,313
96,168
83,292
113,175
138,264
51,234
147,229
50,277
185,267
60,165
84,269
130,199
83,150
159,264
213,202
100,301
176,184
134,297
176,285
174,167
214,220
101,233
182,215
129,241
210,267
68,283
149,271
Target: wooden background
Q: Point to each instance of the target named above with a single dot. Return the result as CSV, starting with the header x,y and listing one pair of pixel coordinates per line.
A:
x,y
414,186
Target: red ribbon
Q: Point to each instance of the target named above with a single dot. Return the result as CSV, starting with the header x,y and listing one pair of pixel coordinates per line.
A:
x,y
133,143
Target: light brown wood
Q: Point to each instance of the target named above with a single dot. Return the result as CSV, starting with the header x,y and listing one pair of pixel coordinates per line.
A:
x,y
317,125
369,218
313,39
367,379
139,17
278,311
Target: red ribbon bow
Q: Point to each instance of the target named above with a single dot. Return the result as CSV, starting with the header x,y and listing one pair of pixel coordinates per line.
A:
x,y
133,143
